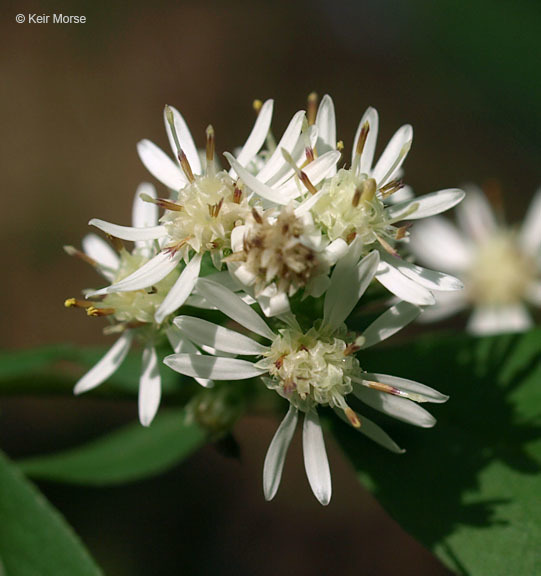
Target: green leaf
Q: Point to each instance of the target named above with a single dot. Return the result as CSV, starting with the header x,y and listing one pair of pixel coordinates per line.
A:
x,y
131,453
469,488
34,538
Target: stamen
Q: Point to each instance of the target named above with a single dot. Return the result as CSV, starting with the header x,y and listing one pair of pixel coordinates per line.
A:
x,y
300,174
352,417
312,108
72,251
162,203
395,391
340,145
210,149
351,236
185,165
387,247
74,303
214,209
98,312
120,327
362,138
392,187
368,188
174,248
403,230
257,105
356,198
237,194
257,216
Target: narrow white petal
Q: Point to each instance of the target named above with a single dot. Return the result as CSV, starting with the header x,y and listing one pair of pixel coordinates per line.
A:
x,y
274,305
144,214
150,273
437,243
181,344
399,408
181,289
402,286
348,284
212,367
426,205
255,184
390,322
316,171
150,386
367,157
206,333
258,135
530,233
287,142
393,156
128,232
276,454
316,463
489,320
100,251
430,279
326,125
107,366
374,432
231,305
428,394
475,215
160,165
185,138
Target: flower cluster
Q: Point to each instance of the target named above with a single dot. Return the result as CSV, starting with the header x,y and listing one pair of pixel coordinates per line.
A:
x,y
287,222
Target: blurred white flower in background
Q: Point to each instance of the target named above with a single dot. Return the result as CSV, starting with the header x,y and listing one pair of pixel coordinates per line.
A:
x,y
499,265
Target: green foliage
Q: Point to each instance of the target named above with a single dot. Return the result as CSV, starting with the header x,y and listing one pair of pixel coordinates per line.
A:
x,y
34,538
469,488
129,454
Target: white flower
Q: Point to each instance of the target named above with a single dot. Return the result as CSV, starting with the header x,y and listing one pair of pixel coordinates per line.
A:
x,y
205,207
131,313
500,266
276,253
310,368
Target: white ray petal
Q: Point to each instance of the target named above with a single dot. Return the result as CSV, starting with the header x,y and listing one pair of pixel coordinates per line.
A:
x,y
367,157
390,322
274,305
185,138
316,463
393,156
348,284
487,320
150,273
402,286
128,232
326,125
530,233
430,279
144,215
399,408
437,243
257,136
107,366
276,454
181,344
405,385
255,184
100,251
447,304
206,333
212,367
181,289
150,386
475,215
288,141
374,432
426,205
233,307
160,165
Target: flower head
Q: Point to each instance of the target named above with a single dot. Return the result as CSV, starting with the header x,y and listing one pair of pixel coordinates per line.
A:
x,y
499,265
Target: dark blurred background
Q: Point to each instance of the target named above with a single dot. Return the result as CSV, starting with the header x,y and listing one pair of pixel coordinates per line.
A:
x,y
75,99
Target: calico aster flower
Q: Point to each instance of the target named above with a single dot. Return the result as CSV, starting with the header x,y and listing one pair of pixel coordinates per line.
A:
x,y
499,265
310,368
131,314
